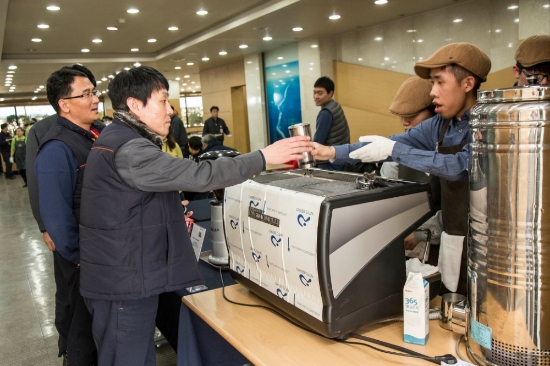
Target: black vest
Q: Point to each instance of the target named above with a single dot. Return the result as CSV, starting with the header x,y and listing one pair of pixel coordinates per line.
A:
x,y
80,142
133,244
339,133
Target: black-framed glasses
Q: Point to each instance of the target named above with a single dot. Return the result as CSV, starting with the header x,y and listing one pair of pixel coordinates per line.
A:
x,y
86,95
540,77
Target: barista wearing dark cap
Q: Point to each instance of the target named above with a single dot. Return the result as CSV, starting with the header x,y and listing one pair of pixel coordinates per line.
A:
x,y
533,60
438,146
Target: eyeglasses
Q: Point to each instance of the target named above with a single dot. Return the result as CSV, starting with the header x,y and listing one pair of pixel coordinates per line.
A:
x,y
86,95
540,77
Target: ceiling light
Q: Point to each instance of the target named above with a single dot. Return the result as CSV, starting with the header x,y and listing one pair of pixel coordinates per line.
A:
x,y
202,12
11,90
516,20
190,63
112,28
546,6
111,76
177,67
34,98
512,7
197,86
151,40
334,17
249,62
41,86
104,78
188,88
509,45
297,29
36,91
53,8
134,49
43,26
243,46
84,50
186,76
380,2
36,40
11,72
97,40
223,53
126,68
178,78
378,38
192,82
184,84
411,31
359,59
419,40
173,28
280,58
267,38
182,89
458,20
132,11
205,58
314,46
137,64
98,81
12,67
498,30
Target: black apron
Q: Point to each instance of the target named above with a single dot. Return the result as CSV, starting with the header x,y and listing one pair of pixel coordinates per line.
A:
x,y
406,173
19,156
455,202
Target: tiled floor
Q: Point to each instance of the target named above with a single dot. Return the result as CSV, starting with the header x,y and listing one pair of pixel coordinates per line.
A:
x,y
27,331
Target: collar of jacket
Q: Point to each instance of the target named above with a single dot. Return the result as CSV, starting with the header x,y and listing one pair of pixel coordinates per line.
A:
x,y
141,128
65,123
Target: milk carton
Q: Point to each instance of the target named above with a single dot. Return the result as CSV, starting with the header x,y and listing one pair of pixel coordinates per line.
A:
x,y
416,309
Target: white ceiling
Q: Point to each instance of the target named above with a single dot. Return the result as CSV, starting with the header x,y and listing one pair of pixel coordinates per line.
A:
x,y
228,24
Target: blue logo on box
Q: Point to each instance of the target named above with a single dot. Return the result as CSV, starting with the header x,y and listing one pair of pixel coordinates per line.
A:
x,y
239,269
281,294
302,220
234,224
254,204
304,280
275,241
256,257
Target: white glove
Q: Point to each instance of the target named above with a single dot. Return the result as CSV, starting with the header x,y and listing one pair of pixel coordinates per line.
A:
x,y
378,149
11,159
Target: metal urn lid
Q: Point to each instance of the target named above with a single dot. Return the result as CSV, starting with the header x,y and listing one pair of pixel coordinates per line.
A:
x,y
213,155
525,93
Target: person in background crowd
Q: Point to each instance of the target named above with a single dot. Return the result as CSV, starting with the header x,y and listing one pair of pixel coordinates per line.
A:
x,y
215,125
170,146
331,126
5,146
177,129
128,176
211,143
18,152
533,60
438,146
194,149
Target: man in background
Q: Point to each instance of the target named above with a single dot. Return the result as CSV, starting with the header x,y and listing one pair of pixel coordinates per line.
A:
x,y
533,60
211,143
331,126
177,129
215,125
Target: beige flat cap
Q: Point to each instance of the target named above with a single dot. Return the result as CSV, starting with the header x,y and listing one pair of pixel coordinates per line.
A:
x,y
412,97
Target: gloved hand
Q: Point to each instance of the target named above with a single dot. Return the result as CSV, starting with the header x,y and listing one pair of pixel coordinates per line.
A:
x,y
11,159
378,149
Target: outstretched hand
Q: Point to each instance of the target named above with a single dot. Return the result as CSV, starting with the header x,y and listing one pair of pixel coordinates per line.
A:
x,y
380,148
323,152
287,149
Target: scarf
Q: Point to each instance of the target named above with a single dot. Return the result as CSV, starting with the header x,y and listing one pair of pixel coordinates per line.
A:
x,y
141,128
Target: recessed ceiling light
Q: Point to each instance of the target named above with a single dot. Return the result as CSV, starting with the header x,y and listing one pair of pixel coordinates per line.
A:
x,y
334,17
43,26
36,91
98,81
512,7
516,20
420,40
34,98
41,86
297,29
378,38
314,46
177,67
9,76
97,40
104,78
53,8
192,82
411,31
112,28
205,59
188,88
111,76
151,40
186,76
134,49
132,11
178,78
36,40
84,50
243,46
458,20
190,63
267,38
546,6
202,12
182,89
510,45
359,59
12,67
498,30
11,72
173,28
184,84
126,68
223,53
11,90
1,99
280,58
380,2
249,62
137,64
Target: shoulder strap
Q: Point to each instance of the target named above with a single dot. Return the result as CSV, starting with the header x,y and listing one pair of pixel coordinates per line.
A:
x,y
442,132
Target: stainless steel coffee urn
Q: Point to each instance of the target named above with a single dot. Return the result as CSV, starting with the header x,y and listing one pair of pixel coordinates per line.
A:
x,y
509,238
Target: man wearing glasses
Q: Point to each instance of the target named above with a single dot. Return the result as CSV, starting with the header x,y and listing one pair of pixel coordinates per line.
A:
x,y
59,171
533,60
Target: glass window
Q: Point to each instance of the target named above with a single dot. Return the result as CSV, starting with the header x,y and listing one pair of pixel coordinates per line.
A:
x,y
191,110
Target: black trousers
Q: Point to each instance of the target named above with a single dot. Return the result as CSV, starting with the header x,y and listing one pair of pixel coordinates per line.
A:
x,y
62,306
6,157
81,349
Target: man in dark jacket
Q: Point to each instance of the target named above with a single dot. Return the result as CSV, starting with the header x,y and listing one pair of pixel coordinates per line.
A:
x,y
210,143
215,125
134,241
5,145
59,168
177,129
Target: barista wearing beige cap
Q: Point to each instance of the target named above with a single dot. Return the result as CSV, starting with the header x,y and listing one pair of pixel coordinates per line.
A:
x,y
413,102
533,60
438,146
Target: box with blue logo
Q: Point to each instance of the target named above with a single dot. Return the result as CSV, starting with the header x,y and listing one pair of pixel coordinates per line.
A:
x,y
416,309
321,250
